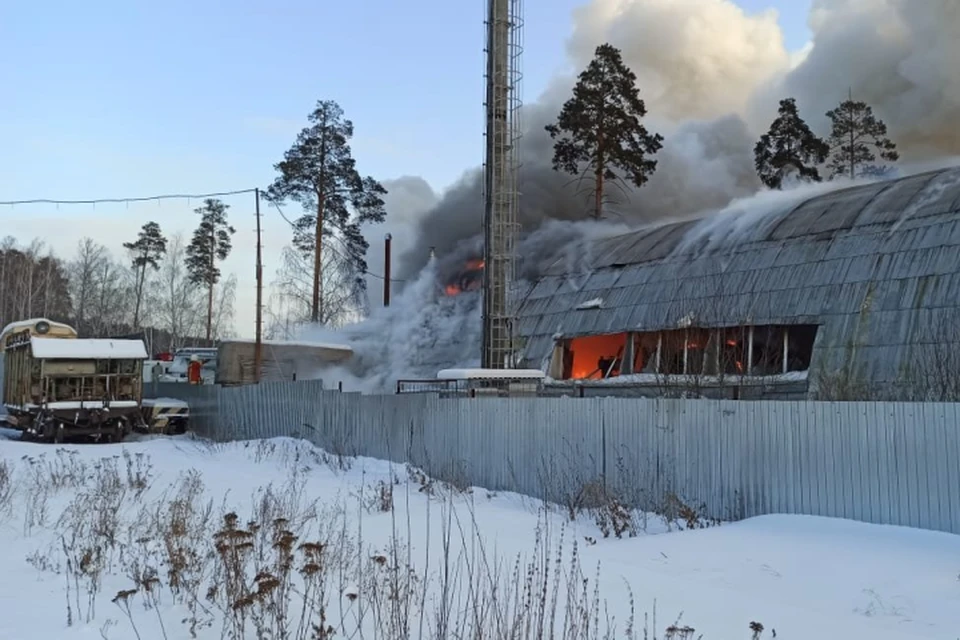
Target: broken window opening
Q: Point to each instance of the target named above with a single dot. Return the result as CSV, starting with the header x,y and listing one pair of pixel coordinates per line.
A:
x,y
741,351
800,348
645,352
767,353
672,353
696,351
734,344
594,357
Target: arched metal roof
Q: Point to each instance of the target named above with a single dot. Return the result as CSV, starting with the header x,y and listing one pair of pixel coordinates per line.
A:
x,y
877,266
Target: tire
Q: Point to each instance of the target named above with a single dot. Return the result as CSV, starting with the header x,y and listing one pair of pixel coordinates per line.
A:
x,y
116,434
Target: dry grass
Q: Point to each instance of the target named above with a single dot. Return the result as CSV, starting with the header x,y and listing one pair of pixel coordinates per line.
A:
x,y
289,567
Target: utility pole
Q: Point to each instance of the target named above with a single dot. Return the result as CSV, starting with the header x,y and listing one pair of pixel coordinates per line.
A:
x,y
386,270
258,345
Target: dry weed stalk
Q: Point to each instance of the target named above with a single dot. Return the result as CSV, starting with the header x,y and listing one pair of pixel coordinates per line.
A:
x,y
282,572
7,474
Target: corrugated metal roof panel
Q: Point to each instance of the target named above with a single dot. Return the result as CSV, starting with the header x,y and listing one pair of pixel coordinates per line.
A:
x,y
894,199
799,253
658,244
941,291
603,279
825,214
546,286
914,197
634,275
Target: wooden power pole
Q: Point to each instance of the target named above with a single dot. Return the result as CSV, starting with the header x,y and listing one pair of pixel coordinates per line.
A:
x,y
258,346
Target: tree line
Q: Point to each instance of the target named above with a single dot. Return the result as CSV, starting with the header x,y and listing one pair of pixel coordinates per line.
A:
x,y
600,138
175,286
170,290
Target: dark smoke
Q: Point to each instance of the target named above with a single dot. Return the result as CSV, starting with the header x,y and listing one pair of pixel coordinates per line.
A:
x,y
711,76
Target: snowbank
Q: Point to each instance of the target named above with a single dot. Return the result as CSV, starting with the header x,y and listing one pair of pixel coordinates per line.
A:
x,y
154,507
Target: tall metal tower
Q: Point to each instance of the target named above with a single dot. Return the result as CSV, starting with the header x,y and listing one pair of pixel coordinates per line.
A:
x,y
501,189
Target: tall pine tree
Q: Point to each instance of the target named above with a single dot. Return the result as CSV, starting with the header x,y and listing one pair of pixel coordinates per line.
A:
x,y
857,140
320,174
147,251
598,131
789,147
211,243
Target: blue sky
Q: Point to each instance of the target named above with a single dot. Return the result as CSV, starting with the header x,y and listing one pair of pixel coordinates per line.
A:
x,y
117,98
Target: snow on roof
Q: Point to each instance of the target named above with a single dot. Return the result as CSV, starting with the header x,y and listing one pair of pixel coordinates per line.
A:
x,y
297,343
20,325
595,303
87,349
500,374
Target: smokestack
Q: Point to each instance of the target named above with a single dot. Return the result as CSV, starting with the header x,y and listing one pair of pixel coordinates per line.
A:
x,y
386,270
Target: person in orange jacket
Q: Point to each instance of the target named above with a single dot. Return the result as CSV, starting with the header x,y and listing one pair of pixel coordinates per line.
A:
x,y
193,370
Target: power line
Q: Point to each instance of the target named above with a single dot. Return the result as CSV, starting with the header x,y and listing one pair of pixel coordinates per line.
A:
x,y
96,201
174,196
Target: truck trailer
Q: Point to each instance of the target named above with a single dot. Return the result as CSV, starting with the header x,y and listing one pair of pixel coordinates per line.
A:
x,y
54,389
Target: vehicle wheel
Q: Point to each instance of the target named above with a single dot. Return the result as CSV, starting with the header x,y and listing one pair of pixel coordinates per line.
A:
x,y
115,435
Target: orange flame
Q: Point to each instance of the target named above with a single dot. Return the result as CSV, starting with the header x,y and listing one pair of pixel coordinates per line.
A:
x,y
476,264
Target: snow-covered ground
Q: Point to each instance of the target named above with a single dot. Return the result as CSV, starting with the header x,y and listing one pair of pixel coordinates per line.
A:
x,y
81,525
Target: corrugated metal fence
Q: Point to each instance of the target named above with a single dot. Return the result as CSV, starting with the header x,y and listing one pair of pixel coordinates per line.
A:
x,y
886,463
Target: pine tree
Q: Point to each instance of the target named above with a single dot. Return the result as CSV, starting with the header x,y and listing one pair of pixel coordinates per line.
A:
x,y
789,146
147,251
211,243
857,139
599,128
320,174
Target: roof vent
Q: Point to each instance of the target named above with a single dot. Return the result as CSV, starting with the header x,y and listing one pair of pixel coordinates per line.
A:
x,y
42,327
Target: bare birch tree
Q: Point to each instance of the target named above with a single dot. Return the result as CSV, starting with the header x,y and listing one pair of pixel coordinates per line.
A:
x,y
85,271
177,302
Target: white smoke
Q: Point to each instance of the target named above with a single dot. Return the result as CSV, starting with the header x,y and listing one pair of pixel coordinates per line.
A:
x,y
408,199
424,330
413,338
711,75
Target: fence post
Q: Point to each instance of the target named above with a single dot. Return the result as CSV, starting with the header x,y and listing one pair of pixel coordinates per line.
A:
x,y
603,448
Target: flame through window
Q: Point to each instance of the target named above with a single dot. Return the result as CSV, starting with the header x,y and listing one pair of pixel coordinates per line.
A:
x,y
726,351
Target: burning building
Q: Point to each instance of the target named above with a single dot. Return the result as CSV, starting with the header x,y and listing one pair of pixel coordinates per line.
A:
x,y
847,294
469,278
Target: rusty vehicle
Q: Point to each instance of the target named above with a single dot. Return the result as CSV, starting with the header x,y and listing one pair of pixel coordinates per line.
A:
x,y
67,387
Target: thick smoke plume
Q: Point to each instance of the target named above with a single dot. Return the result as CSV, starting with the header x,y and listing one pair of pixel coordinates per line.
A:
x,y
711,76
